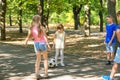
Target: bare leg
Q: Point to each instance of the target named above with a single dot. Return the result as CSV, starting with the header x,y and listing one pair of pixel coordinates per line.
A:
x,y
45,56
108,56
112,56
114,70
37,64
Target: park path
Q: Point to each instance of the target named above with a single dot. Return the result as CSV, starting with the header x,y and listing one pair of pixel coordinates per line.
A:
x,y
17,63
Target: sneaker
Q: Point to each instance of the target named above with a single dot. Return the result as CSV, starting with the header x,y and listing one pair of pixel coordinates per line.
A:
x,y
108,63
56,65
45,75
38,77
107,78
62,64
112,62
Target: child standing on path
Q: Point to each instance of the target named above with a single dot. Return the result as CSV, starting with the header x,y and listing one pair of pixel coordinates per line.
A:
x,y
117,57
59,43
110,39
37,32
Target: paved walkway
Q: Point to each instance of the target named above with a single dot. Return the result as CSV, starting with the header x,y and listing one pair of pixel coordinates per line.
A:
x,y
17,63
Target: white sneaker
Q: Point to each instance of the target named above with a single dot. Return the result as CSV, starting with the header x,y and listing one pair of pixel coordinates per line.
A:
x,y
62,64
56,65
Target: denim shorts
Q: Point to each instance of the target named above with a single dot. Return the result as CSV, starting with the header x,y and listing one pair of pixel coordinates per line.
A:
x,y
40,46
117,56
110,48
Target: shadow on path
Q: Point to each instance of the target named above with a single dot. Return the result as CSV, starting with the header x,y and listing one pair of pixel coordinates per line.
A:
x,y
17,63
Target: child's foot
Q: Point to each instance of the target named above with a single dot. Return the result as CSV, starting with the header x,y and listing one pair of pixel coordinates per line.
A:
x,y
38,77
56,65
107,78
112,62
108,63
62,64
45,75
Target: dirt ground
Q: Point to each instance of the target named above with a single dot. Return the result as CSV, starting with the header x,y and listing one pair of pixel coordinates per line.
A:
x,y
84,58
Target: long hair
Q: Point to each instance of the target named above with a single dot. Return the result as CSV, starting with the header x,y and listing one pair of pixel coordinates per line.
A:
x,y
36,21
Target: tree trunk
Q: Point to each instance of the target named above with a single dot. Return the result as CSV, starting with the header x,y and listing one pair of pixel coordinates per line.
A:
x,y
76,12
101,16
111,5
47,16
2,18
101,21
87,21
41,11
10,18
20,17
48,11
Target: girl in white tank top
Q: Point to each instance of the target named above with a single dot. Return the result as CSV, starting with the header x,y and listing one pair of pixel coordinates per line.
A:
x,y
59,43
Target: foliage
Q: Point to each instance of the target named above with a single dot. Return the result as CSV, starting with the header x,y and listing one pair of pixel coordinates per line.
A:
x,y
60,10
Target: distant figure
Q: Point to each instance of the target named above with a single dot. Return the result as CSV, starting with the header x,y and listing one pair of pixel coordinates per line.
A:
x,y
110,39
38,33
117,57
59,43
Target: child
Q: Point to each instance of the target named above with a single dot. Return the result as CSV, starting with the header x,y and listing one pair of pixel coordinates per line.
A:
x,y
110,39
37,32
59,42
117,57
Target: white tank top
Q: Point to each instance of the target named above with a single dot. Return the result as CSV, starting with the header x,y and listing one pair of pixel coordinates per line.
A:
x,y
59,42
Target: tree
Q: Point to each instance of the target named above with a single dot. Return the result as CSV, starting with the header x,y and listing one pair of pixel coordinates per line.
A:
x,y
46,15
20,16
87,21
76,8
10,18
41,10
16,9
76,12
111,5
2,18
101,15
9,10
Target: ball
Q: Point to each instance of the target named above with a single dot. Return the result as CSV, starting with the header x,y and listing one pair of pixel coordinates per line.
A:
x,y
51,63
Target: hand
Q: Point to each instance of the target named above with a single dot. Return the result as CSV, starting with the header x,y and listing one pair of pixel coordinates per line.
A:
x,y
25,43
49,48
109,43
53,46
104,42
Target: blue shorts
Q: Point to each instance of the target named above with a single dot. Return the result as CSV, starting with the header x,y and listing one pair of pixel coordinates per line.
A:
x,y
110,48
40,46
117,56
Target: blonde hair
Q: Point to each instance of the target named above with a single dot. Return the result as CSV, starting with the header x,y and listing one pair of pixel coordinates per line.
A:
x,y
36,21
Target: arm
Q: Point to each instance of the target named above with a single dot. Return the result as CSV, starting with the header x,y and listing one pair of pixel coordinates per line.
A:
x,y
65,40
54,38
46,39
118,34
104,35
28,37
104,38
112,38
